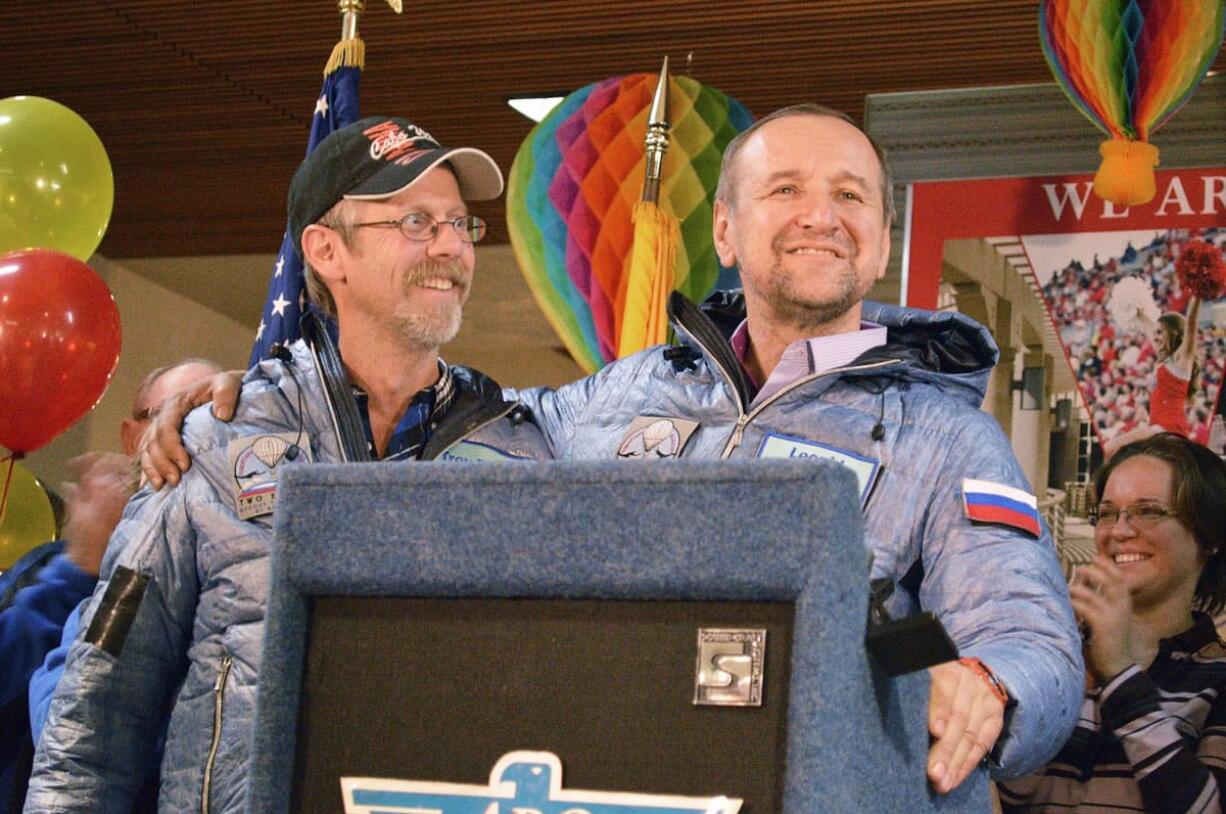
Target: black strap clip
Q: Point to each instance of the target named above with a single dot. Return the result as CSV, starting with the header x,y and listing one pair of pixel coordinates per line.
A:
x,y
905,645
683,357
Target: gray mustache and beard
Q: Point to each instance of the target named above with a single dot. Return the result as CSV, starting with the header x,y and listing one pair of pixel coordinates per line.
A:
x,y
429,326
791,304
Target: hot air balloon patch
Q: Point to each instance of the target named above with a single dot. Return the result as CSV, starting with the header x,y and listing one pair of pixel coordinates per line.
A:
x,y
650,437
254,461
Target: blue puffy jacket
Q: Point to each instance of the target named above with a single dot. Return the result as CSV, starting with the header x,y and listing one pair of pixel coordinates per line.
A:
x,y
908,411
176,623
36,595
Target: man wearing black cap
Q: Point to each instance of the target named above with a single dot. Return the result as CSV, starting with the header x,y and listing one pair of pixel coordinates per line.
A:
x,y
173,636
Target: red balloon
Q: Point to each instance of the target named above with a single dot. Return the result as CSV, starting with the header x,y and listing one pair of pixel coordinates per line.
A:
x,y
59,344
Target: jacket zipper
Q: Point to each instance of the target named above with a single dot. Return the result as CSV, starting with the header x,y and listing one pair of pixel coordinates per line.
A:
x,y
219,698
680,307
738,431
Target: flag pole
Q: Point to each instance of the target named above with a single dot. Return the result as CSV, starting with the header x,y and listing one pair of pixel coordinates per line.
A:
x,y
350,11
335,106
652,275
350,51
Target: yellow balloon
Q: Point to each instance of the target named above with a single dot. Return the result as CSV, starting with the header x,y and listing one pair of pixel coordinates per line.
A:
x,y
56,187
27,517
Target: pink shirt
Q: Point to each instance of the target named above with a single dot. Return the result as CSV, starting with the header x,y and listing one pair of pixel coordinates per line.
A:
x,y
805,357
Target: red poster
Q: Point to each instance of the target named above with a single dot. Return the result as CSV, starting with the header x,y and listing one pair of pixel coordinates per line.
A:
x,y
1107,276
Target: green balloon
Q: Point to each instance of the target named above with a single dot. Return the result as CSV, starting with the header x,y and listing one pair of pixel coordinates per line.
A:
x,y
26,517
56,187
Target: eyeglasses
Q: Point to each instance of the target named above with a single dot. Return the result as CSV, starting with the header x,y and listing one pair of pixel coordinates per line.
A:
x,y
1141,516
421,227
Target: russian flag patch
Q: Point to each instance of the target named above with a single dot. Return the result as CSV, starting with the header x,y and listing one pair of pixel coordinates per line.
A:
x,y
988,502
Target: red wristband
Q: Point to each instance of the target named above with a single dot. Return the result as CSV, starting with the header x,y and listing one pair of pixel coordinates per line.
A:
x,y
980,669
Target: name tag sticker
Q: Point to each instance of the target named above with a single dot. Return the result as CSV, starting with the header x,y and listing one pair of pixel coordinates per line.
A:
x,y
866,470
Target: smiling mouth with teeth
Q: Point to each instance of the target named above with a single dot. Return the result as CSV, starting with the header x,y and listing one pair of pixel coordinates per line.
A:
x,y
437,284
813,250
1120,559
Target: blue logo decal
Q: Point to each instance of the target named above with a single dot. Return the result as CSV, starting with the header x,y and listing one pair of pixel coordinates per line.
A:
x,y
520,783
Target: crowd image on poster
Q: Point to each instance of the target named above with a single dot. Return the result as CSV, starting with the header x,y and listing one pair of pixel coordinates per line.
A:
x,y
1123,316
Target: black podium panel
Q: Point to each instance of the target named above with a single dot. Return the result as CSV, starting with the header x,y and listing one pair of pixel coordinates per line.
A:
x,y
425,621
440,689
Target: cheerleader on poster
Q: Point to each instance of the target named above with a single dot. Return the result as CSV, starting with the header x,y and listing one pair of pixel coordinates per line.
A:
x,y
1175,378
1174,342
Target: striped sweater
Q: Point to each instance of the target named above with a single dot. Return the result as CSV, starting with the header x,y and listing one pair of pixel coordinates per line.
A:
x,y
1150,740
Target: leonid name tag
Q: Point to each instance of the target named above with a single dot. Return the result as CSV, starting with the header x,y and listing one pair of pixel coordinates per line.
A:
x,y
775,445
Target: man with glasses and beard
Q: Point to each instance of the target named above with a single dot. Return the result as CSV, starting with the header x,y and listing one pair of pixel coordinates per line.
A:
x,y
173,639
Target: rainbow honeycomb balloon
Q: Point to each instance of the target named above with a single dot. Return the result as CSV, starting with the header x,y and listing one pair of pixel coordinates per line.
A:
x,y
574,184
1129,65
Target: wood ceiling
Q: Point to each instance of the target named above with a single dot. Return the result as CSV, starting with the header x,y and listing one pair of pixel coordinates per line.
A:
x,y
204,106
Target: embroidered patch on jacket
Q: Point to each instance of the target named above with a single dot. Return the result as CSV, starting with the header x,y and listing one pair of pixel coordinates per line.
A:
x,y
776,445
653,436
476,451
988,502
254,460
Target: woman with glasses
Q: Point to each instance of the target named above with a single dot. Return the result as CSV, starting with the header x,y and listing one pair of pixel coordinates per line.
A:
x,y
1152,731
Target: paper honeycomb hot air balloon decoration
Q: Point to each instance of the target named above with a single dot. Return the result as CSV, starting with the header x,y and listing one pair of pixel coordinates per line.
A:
x,y
572,191
1129,65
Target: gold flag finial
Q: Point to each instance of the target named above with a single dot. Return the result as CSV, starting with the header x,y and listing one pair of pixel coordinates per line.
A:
x,y
656,140
651,276
350,52
351,10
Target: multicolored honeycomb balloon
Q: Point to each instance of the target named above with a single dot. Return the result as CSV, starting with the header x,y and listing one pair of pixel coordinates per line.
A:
x,y
1129,65
574,184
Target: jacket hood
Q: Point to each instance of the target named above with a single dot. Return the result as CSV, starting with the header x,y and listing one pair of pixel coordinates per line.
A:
x,y
946,348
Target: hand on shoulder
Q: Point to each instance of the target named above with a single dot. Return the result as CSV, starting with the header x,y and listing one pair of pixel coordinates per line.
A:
x,y
163,458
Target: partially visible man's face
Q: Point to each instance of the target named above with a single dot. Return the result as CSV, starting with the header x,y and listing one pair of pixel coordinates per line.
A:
x,y
806,225
419,286
146,405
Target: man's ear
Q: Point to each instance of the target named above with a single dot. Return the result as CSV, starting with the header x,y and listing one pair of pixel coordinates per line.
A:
x,y
885,252
130,431
320,248
724,232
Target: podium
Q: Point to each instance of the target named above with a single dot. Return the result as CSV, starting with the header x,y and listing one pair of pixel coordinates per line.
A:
x,y
426,621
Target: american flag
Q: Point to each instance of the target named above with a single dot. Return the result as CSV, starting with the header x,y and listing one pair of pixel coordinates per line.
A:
x,y
336,107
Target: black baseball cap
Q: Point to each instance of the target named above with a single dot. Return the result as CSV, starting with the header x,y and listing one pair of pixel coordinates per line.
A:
x,y
375,158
